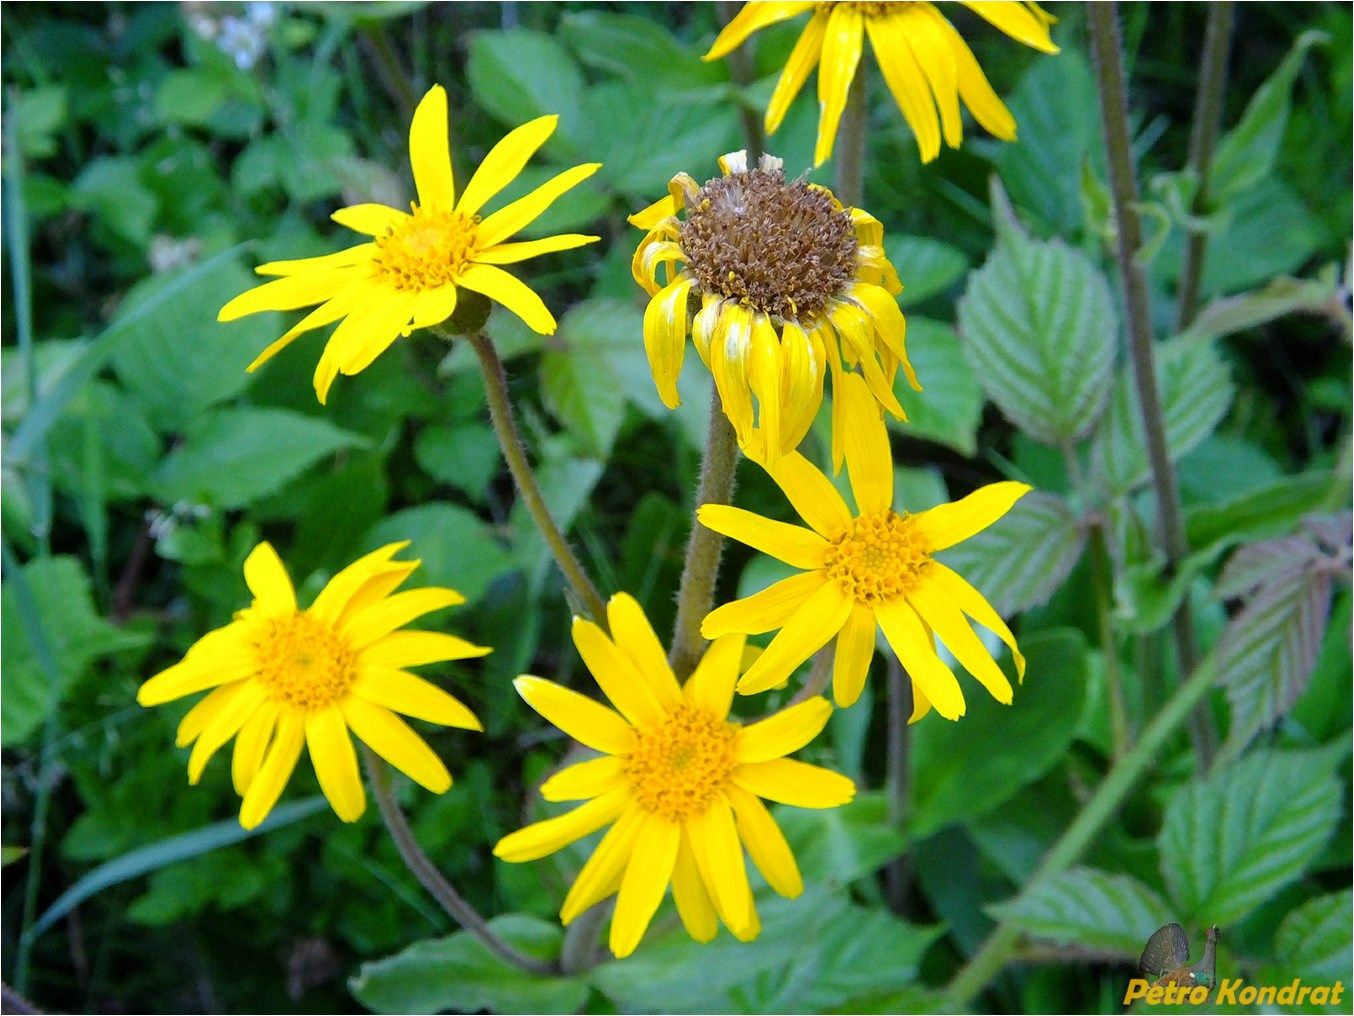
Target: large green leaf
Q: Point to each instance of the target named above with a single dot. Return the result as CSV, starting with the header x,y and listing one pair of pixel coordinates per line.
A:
x,y
964,777
950,407
457,549
1039,328
231,457
835,846
583,395
633,47
459,973
520,74
1089,909
1230,842
1270,510
925,265
1314,940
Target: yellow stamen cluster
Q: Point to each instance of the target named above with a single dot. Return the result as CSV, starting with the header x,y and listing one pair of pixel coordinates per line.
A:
x,y
677,769
428,250
879,559
304,662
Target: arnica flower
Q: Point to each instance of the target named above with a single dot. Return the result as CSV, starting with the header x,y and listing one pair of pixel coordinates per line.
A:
x,y
678,782
789,285
408,274
925,62
282,677
874,568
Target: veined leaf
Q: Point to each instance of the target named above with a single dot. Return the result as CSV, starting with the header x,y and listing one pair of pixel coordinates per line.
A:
x,y
1089,909
457,548
520,74
1314,940
941,366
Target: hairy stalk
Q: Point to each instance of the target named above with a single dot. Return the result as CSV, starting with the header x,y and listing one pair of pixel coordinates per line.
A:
x,y
423,869
740,71
1204,135
1103,580
820,674
851,138
583,938
1107,46
897,776
510,440
700,570
1001,945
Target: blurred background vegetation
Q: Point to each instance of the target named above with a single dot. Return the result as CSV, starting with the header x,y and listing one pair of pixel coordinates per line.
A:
x,y
153,153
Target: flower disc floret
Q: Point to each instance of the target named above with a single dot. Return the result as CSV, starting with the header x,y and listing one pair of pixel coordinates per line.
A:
x,y
304,662
676,769
881,558
427,250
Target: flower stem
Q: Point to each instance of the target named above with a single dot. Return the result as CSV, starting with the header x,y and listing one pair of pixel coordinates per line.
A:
x,y
851,143
897,775
1000,946
740,71
1103,581
423,869
1207,115
696,593
1107,46
510,440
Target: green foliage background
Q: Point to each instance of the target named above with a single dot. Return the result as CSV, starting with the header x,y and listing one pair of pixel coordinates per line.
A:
x,y
154,153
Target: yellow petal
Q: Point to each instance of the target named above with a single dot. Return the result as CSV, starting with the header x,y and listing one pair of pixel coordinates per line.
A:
x,y
635,637
365,626
906,83
601,874
269,781
370,218
949,625
541,838
413,696
225,723
1016,21
587,722
196,719
795,783
784,732
855,649
948,524
753,17
219,657
644,884
710,685
766,843
325,314
250,744
616,675
433,306
511,253
921,705
369,330
584,780
795,545
932,52
837,66
797,66
402,649
374,584
512,293
346,258
516,215
763,611
690,895
889,323
819,618
393,739
947,584
813,495
334,597
869,459
665,327
977,92
430,152
290,293
504,161
916,651
719,856
651,215
335,762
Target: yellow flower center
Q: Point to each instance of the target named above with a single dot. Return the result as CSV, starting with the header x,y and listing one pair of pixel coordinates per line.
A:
x,y
429,250
879,559
677,769
304,662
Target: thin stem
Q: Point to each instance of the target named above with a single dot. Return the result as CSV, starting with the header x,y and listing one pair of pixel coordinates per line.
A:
x,y
897,775
740,71
820,674
510,440
851,143
1000,946
1203,137
696,593
423,869
582,938
1107,46
1103,580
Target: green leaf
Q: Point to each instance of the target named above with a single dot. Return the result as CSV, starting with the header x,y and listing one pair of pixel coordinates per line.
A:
x,y
10,854
1019,560
463,455
39,113
457,549
459,973
1039,328
520,74
926,266
1266,231
635,48
1195,392
582,393
965,778
565,484
950,408
47,609
111,189
1105,912
1277,298
836,846
231,457
1271,510
1247,153
1314,940
1230,842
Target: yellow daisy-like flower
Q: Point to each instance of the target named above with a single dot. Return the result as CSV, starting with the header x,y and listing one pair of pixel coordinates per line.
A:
x,y
283,677
408,274
679,783
925,62
791,286
874,568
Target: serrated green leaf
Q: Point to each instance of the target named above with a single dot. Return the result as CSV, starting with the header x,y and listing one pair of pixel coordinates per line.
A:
x,y
926,266
1019,560
836,846
457,548
231,457
1195,391
1106,912
1038,325
464,455
1314,940
949,409
459,973
1230,842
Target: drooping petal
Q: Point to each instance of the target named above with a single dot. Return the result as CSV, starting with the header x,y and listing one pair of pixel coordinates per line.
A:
x,y
764,377
650,216
948,622
250,744
719,856
268,783
413,696
730,351
766,843
763,611
690,895
645,882
395,741
196,719
905,81
784,732
433,306
943,582
545,837
797,66
869,459
504,162
1017,21
584,780
931,50
813,625
916,651
325,314
665,326
890,325
789,781
795,545
512,293
586,721
976,91
948,524
224,724
335,762
837,66
364,336
753,17
430,152
855,649
635,637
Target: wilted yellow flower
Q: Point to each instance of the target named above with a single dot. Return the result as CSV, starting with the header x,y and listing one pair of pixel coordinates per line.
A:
x,y
925,62
789,282
282,677
407,276
874,568
678,782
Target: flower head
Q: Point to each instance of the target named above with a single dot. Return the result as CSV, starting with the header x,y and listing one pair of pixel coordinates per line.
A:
x,y
872,568
925,62
408,275
679,784
282,677
791,287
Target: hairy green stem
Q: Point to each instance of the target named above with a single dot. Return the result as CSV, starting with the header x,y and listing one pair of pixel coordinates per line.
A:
x,y
851,138
1203,137
1108,49
897,775
1001,945
1103,580
510,440
700,570
740,71
423,869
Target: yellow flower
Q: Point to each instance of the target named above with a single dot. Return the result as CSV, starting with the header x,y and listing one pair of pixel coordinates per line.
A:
x,y
408,274
678,782
873,568
789,284
925,62
282,677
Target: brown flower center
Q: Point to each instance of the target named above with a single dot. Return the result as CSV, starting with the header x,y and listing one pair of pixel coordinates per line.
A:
x,y
779,247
